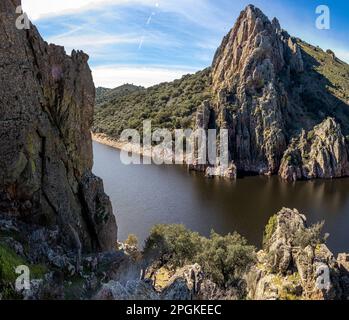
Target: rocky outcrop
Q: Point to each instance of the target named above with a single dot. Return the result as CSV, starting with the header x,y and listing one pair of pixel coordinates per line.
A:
x,y
133,290
46,108
319,153
187,283
229,172
251,70
295,264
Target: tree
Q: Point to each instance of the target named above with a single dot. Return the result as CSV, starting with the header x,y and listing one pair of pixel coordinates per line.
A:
x,y
227,258
132,240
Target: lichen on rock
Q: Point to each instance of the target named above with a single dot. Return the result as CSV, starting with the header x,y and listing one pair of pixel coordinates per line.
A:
x,y
319,153
46,106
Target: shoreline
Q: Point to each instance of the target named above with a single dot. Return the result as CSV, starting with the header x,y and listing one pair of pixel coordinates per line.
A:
x,y
166,156
150,152
108,141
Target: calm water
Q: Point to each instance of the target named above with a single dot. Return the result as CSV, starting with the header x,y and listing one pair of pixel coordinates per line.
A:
x,y
144,195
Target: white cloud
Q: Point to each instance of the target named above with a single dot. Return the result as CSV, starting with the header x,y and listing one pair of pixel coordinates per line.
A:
x,y
114,76
90,43
206,13
37,9
343,55
99,43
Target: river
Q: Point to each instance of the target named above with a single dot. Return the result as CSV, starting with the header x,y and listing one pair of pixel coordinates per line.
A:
x,y
144,195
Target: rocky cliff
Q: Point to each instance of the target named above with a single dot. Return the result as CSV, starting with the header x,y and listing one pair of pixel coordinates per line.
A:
x,y
258,87
46,108
319,153
249,93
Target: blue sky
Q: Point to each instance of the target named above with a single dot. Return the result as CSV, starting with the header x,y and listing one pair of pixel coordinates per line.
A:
x,y
147,42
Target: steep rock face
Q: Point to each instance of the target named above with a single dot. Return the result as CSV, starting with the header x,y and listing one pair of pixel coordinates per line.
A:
x,y
205,120
320,153
46,108
250,72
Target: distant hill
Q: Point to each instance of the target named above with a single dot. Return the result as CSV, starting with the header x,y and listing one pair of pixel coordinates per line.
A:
x,y
105,94
170,105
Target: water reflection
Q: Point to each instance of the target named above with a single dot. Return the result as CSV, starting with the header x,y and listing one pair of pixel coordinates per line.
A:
x,y
146,195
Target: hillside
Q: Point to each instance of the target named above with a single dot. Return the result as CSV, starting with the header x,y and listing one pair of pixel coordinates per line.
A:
x,y
104,95
169,105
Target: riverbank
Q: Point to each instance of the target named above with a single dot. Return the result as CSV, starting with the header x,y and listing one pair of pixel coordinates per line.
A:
x,y
158,155
108,141
122,146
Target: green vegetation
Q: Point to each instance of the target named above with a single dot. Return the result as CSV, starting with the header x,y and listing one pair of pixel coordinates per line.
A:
x,y
311,135
310,236
325,85
269,229
289,289
169,105
131,240
104,94
334,70
9,261
223,258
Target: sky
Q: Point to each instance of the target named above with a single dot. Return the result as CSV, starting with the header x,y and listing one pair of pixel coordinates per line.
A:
x,y
146,42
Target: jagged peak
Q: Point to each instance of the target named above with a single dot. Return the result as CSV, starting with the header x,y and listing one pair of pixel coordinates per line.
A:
x,y
252,12
255,48
251,20
276,24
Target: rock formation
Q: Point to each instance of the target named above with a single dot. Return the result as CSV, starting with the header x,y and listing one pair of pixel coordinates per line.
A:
x,y
46,107
259,91
319,153
293,266
249,92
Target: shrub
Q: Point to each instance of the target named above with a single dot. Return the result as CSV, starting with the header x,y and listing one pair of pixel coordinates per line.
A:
x,y
226,258
269,229
223,258
173,244
309,236
132,240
